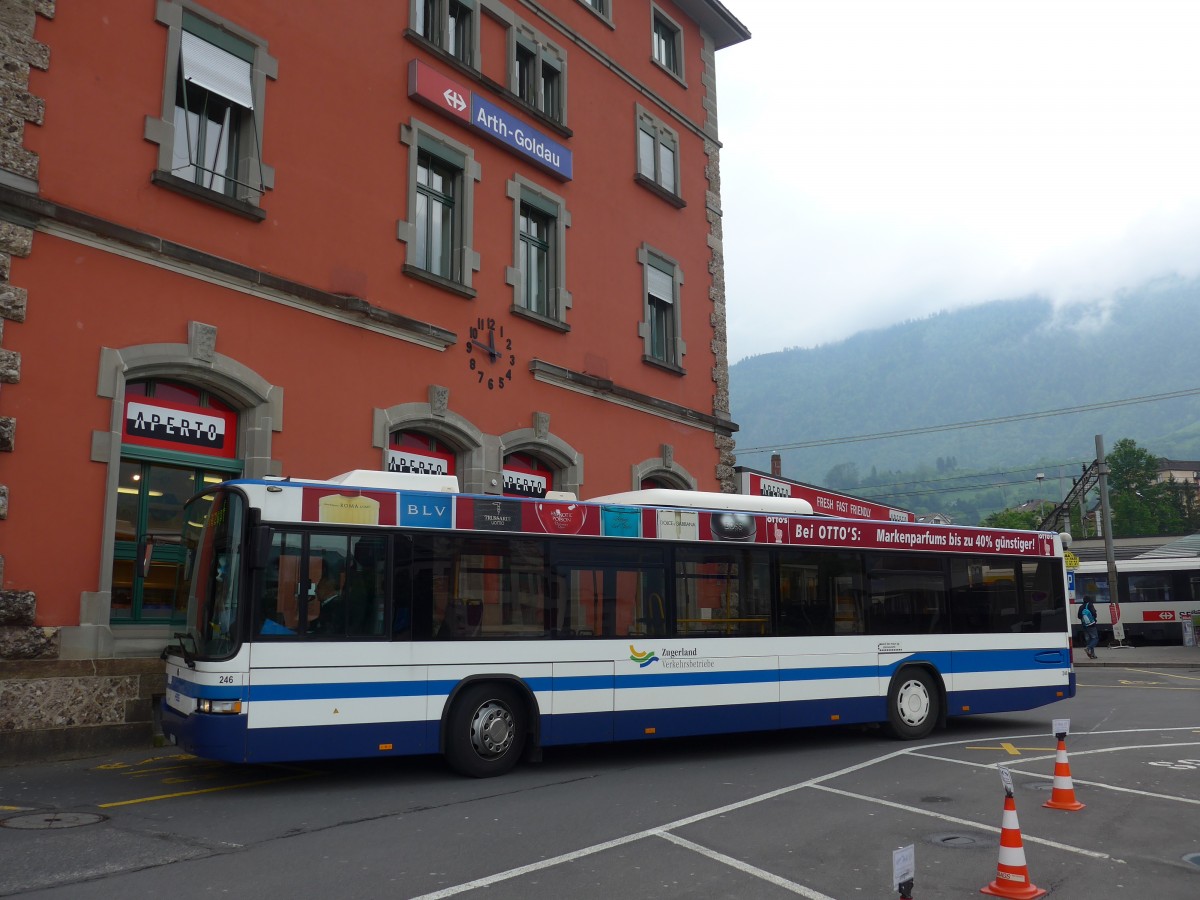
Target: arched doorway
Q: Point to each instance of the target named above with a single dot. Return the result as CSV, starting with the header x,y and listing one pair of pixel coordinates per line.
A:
x,y
176,439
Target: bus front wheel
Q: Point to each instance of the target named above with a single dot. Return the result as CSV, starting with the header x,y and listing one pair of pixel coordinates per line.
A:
x,y
913,704
485,731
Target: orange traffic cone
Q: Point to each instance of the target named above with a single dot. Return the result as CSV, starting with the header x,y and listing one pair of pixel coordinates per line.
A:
x,y
1064,789
1012,875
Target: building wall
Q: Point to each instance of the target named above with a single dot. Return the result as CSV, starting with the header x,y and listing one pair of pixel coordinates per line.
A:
x,y
298,304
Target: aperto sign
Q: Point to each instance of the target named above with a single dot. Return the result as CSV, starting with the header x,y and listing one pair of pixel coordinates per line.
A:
x,y
456,101
176,426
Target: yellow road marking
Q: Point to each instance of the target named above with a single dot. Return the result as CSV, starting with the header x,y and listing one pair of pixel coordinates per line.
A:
x,y
1011,750
211,790
12,808
1166,674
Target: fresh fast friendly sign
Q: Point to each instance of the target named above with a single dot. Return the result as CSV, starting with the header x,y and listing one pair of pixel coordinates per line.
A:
x,y
454,100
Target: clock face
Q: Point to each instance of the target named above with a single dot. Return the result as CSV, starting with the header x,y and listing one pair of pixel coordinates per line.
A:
x,y
490,355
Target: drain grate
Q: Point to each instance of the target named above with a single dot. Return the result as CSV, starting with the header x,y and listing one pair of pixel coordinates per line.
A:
x,y
52,820
963,840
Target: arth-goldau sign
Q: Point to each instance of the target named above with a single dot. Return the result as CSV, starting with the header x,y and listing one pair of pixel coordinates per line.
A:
x,y
452,99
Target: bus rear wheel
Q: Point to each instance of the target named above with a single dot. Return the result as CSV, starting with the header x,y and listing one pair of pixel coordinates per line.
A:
x,y
914,704
485,731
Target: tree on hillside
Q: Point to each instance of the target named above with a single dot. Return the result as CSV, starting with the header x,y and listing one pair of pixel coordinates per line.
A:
x,y
842,477
1012,518
1141,505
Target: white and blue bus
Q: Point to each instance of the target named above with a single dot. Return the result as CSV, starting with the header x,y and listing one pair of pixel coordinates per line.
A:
x,y
381,614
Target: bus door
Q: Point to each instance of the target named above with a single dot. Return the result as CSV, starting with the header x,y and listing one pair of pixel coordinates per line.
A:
x,y
603,604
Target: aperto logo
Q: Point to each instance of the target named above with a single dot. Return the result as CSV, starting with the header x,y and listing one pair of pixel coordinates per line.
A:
x,y
642,659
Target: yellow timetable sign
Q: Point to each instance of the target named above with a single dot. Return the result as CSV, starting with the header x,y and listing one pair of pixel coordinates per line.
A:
x,y
1071,560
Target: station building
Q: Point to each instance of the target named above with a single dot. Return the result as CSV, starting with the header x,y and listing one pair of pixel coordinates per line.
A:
x,y
478,237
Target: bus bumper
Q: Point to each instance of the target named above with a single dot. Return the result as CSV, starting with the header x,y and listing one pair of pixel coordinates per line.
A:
x,y
207,736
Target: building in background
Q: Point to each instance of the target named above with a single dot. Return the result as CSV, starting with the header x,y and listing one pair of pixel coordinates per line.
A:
x,y
480,237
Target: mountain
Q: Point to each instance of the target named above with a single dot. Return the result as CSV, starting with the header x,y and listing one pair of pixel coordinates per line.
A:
x,y
1000,359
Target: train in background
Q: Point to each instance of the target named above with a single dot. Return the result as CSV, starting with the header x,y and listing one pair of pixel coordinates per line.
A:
x,y
1155,594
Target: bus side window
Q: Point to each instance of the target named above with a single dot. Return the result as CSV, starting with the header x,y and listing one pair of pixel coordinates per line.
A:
x,y
365,587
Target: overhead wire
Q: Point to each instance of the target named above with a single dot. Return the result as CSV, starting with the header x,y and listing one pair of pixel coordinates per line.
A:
x,y
975,423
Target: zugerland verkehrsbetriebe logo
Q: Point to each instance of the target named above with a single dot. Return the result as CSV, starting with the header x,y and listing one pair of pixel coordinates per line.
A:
x,y
681,658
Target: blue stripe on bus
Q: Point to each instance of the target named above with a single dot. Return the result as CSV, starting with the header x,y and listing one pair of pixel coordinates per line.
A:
x,y
228,738
956,662
337,690
341,741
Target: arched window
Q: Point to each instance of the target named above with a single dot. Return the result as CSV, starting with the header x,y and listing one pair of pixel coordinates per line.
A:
x,y
176,439
415,451
526,476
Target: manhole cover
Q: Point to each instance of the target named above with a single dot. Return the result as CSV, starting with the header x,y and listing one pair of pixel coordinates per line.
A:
x,y
1193,859
937,799
52,820
963,840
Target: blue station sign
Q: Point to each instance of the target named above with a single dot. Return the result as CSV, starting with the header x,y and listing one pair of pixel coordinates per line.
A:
x,y
456,101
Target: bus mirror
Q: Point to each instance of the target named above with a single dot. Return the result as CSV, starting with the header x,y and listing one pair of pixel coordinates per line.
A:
x,y
145,550
260,546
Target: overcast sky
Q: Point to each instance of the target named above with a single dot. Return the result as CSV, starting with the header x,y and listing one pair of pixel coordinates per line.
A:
x,y
887,159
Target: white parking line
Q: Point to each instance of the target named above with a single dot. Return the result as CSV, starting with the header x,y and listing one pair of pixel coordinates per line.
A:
x,y
748,869
818,782
957,821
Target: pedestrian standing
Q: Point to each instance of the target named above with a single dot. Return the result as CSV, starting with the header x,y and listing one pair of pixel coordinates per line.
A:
x,y
1091,631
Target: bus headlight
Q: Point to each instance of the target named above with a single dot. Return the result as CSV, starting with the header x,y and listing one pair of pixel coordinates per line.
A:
x,y
219,706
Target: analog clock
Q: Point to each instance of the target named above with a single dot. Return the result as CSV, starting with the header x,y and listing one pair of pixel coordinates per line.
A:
x,y
490,354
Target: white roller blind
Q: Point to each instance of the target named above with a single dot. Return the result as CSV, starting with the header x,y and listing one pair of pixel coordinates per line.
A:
x,y
660,284
216,70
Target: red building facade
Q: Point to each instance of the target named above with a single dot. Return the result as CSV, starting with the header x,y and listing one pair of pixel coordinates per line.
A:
x,y
473,236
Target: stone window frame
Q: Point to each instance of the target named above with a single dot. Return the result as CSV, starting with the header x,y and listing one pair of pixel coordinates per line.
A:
x,y
418,136
663,135
650,257
521,190
440,37
602,9
160,130
663,467
657,17
565,460
260,413
476,452
519,33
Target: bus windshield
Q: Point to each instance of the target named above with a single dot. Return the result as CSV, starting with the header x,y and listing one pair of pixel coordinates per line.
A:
x,y
212,539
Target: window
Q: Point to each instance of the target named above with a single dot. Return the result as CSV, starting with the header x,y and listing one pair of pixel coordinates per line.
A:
x,y
660,328
537,72
666,43
906,595
323,586
600,7
442,176
449,25
537,274
534,262
658,155
210,131
435,226
996,595
722,593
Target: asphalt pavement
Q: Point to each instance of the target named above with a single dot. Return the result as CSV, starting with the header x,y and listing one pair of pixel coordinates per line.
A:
x,y
1132,654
